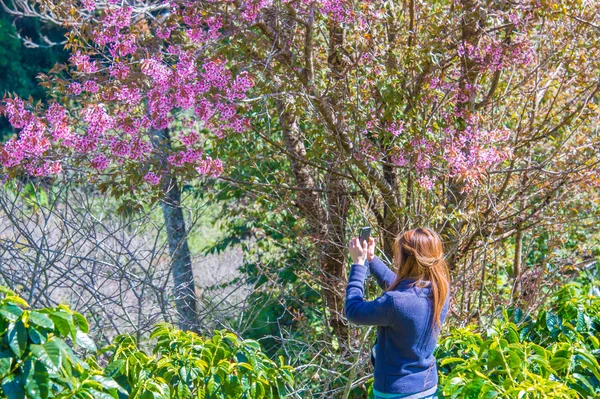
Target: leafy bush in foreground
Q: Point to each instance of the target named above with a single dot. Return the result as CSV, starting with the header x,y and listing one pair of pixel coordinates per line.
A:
x,y
553,356
37,361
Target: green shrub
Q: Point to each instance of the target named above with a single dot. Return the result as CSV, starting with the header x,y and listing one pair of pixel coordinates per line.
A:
x,y
552,356
185,365
37,360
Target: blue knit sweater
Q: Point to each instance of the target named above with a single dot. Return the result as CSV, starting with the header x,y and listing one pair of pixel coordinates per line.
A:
x,y
405,340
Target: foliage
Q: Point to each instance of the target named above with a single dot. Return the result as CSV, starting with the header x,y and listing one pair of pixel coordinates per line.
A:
x,y
19,64
184,365
474,117
555,355
37,361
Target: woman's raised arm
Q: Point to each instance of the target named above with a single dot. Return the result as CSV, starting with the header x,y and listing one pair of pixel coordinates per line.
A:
x,y
383,275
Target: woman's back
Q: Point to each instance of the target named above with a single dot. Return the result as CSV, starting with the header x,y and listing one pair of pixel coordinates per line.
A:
x,y
408,315
407,345
406,338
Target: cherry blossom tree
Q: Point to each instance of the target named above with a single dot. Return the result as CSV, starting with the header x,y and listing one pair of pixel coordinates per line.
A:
x,y
476,117
130,77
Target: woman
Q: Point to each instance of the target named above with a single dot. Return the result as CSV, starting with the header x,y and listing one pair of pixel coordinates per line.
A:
x,y
408,315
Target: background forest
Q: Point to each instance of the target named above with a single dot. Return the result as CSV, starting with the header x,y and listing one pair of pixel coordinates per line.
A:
x,y
181,179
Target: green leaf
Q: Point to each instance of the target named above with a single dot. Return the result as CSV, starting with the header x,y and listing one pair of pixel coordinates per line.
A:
x,y
11,313
16,300
101,395
552,322
85,341
41,320
450,360
234,386
12,387
253,344
81,322
260,390
6,359
246,366
68,354
49,354
17,338
35,336
64,323
558,363
108,383
584,382
211,387
36,379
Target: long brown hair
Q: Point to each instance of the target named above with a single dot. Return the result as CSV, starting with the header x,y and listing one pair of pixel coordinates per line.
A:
x,y
419,255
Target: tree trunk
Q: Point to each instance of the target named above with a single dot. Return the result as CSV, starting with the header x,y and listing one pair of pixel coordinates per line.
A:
x,y
181,260
333,255
184,289
325,218
391,219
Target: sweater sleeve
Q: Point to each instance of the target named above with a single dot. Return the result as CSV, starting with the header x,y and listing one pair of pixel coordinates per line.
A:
x,y
379,312
383,275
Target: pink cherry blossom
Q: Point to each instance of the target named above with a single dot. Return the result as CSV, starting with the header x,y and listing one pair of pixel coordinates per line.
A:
x,y
152,178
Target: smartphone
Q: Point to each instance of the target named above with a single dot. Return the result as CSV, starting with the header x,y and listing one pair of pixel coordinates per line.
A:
x,y
365,234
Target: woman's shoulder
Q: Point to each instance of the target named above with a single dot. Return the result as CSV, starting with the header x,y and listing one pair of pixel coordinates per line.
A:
x,y
410,290
410,285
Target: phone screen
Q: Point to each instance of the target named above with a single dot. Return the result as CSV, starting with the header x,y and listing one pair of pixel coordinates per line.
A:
x,y
365,233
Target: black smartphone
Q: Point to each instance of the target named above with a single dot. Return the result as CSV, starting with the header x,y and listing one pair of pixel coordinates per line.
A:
x,y
364,235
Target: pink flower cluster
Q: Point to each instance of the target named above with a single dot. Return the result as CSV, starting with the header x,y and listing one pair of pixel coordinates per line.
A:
x,y
83,62
210,167
152,178
32,142
493,55
470,153
131,95
203,30
396,128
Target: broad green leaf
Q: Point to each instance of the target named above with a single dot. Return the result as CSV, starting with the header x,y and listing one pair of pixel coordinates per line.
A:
x,y
48,354
12,387
558,363
108,383
35,336
82,323
85,341
253,344
68,354
6,359
260,390
583,380
552,322
11,312
41,320
234,386
17,300
450,360
65,324
211,386
101,395
37,380
246,366
17,338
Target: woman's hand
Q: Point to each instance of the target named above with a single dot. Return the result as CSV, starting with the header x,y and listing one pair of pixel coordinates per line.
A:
x,y
371,249
358,251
